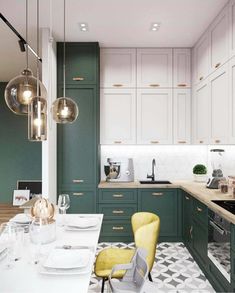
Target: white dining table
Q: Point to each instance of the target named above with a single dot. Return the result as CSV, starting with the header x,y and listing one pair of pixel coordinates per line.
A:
x,y
25,276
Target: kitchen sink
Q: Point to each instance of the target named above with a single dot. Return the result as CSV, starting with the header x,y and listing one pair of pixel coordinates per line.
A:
x,y
155,182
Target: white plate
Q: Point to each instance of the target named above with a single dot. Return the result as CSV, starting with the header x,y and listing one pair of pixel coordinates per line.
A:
x,y
82,223
78,271
67,258
21,219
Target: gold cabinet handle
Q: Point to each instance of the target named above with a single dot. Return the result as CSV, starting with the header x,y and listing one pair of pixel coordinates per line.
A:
x,y
182,84
199,209
181,141
154,141
118,212
201,141
217,65
157,193
117,84
217,141
78,193
186,197
78,181
201,78
118,228
78,78
154,85
117,195
117,141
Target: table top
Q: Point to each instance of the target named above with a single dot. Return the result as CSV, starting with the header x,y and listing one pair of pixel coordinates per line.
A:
x,y
24,277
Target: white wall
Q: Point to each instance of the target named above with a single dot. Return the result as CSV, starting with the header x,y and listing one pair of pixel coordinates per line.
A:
x,y
172,162
49,147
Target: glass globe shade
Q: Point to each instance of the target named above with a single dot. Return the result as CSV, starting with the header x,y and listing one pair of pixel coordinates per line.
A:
x,y
20,90
64,110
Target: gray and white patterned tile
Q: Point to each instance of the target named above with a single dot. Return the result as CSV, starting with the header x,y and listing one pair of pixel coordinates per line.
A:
x,y
174,270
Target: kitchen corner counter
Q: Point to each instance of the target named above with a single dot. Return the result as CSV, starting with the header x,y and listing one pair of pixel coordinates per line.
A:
x,y
197,190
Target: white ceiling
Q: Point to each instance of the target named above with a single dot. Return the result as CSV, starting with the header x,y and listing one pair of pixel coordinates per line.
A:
x,y
113,23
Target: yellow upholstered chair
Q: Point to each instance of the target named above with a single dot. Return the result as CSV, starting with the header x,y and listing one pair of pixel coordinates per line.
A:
x,y
146,227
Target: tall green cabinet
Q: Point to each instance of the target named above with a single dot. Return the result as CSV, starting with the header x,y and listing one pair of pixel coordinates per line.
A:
x,y
78,143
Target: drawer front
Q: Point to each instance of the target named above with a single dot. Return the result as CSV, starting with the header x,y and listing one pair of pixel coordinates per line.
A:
x,y
117,211
118,195
116,228
81,202
200,211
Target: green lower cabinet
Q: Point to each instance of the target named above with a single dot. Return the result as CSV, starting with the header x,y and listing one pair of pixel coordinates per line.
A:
x,y
116,231
218,281
117,211
166,203
199,242
187,202
82,202
117,205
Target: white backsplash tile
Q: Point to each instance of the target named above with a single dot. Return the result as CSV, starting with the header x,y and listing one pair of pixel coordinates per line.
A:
x,y
173,162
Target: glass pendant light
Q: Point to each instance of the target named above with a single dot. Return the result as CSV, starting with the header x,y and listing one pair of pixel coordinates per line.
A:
x,y
20,90
64,110
37,108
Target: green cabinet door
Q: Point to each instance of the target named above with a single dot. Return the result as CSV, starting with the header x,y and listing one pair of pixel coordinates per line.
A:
x,y
166,204
77,146
82,202
82,63
200,240
187,202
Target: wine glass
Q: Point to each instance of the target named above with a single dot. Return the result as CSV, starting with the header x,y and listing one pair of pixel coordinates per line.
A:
x,y
11,238
36,237
63,205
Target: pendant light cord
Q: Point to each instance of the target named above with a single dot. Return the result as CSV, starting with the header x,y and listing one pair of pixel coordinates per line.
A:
x,y
64,52
37,47
26,45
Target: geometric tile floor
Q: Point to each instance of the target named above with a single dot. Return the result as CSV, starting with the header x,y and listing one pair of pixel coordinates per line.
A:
x,y
174,270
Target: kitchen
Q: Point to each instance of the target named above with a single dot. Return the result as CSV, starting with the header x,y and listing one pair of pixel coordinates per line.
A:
x,y
150,103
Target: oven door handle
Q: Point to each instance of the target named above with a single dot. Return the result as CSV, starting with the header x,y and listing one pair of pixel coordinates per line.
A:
x,y
217,228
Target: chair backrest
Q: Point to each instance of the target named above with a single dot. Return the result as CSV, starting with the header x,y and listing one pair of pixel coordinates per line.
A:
x,y
146,228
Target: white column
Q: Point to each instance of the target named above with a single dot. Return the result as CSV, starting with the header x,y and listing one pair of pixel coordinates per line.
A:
x,y
49,147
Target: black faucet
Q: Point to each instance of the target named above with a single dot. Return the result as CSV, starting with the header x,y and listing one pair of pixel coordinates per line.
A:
x,y
152,176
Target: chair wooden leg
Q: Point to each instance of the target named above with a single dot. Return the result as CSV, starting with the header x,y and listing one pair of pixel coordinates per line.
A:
x,y
150,277
103,283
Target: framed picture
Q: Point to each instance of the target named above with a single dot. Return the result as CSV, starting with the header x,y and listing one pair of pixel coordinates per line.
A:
x,y
20,197
35,186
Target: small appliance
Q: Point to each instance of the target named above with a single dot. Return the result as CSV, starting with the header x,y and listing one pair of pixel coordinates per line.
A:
x,y
217,174
119,170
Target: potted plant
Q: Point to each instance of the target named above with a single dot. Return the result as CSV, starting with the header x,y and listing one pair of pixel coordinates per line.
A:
x,y
200,172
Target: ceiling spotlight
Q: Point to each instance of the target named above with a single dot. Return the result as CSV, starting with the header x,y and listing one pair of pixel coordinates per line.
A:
x,y
155,26
83,26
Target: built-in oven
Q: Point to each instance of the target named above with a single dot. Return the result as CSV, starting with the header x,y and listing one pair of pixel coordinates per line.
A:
x,y
219,243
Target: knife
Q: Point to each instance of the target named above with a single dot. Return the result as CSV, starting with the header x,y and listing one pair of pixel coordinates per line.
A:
x,y
74,247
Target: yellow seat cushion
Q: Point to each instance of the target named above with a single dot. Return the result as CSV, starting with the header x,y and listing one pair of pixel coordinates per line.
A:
x,y
109,257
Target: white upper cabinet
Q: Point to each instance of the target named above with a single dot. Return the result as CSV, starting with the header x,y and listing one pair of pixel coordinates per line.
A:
x,y
182,116
232,101
201,107
219,95
154,116
118,116
181,68
154,68
218,36
232,28
201,58
118,68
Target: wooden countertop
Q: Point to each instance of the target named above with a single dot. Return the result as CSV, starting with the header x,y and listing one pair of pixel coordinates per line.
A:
x,y
197,190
